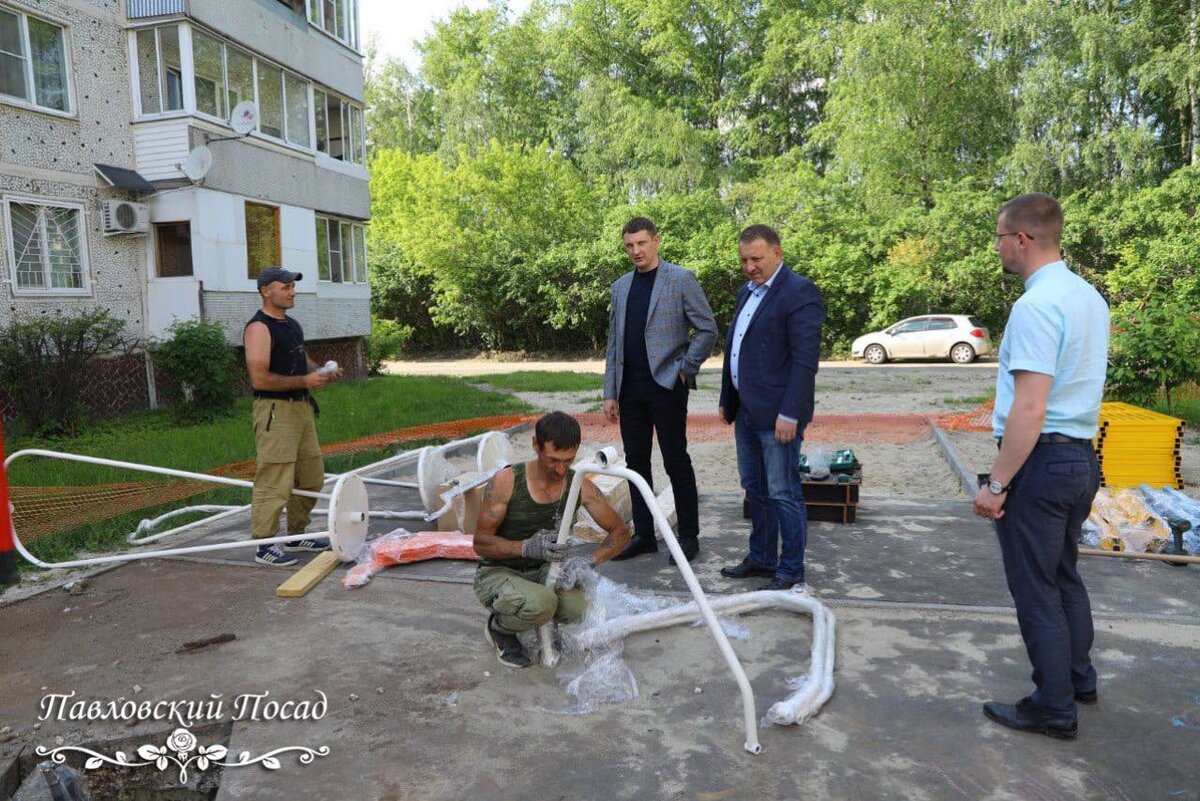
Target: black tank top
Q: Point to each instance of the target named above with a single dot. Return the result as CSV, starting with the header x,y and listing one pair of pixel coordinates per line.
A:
x,y
288,356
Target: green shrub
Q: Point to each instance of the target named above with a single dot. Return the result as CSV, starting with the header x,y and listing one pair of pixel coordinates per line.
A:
x,y
200,368
1153,351
42,362
387,341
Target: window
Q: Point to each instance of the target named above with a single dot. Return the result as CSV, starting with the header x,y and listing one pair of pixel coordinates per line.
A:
x,y
33,61
296,96
241,75
320,111
910,327
47,246
360,254
341,251
336,17
340,131
941,324
270,100
208,54
174,243
160,71
262,238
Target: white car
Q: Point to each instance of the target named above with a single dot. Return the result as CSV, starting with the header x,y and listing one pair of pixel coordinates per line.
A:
x,y
957,337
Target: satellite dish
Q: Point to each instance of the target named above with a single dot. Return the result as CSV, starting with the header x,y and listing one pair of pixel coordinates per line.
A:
x,y
244,117
197,164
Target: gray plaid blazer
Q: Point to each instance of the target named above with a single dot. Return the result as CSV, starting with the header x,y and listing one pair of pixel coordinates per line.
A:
x,y
676,304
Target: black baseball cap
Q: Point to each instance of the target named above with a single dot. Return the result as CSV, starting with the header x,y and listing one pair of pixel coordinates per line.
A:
x,y
270,275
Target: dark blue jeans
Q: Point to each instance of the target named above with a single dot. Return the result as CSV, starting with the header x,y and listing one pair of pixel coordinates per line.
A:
x,y
1050,499
771,477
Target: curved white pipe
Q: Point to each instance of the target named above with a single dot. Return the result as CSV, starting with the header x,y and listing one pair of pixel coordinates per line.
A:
x,y
601,465
798,706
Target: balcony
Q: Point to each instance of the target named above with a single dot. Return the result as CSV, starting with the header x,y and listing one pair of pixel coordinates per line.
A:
x,y
141,9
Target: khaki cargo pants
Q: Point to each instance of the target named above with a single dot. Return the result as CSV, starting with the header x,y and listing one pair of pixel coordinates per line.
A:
x,y
521,599
288,456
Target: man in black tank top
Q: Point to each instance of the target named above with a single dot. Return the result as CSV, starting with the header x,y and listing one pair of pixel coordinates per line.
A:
x,y
285,438
516,534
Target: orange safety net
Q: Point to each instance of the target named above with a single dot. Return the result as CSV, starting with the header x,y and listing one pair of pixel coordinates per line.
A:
x,y
846,429
38,511
978,419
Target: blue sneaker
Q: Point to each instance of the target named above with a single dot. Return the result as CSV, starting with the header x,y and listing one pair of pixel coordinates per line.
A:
x,y
272,555
307,545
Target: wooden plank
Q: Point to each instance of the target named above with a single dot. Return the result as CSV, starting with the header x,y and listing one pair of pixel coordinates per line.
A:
x,y
308,576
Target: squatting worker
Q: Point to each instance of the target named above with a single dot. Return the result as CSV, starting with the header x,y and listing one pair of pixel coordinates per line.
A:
x,y
515,538
767,388
650,365
1048,389
285,438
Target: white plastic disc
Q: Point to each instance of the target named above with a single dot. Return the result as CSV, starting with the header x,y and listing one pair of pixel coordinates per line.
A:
x,y
494,451
349,516
432,472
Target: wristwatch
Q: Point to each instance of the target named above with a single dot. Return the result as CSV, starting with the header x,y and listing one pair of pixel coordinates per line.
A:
x,y
996,488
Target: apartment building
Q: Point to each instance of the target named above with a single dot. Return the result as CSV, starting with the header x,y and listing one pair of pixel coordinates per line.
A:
x,y
108,106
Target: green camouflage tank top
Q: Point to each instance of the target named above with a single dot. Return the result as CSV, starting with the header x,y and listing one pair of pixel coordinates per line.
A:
x,y
525,517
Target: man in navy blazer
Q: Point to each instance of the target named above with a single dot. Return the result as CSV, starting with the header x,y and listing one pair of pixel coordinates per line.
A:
x,y
767,387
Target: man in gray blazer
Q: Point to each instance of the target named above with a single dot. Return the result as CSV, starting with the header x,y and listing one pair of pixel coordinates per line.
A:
x,y
651,365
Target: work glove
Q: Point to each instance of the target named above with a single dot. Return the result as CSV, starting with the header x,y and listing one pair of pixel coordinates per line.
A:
x,y
543,546
577,571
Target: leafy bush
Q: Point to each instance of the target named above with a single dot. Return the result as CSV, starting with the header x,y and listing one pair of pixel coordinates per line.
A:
x,y
42,364
387,341
200,368
1153,351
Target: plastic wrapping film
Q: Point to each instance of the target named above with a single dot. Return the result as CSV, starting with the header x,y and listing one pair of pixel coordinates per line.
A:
x,y
1170,502
596,675
402,547
1121,521
818,463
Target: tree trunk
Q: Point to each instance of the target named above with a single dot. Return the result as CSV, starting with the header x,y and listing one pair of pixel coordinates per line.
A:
x,y
1193,90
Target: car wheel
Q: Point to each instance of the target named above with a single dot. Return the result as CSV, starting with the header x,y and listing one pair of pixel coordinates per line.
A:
x,y
962,353
875,354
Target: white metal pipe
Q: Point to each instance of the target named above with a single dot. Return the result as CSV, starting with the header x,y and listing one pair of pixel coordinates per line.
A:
x,y
381,482
145,468
546,632
129,557
148,524
795,708
601,466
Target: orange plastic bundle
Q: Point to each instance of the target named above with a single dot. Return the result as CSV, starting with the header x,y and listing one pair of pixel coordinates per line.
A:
x,y
402,547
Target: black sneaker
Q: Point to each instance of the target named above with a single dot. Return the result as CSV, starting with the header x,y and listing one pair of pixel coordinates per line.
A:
x,y
508,647
272,555
307,545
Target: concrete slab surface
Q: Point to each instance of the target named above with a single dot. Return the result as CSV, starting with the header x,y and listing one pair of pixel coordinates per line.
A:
x,y
418,707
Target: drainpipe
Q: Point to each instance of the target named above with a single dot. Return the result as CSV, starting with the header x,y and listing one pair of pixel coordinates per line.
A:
x,y
8,554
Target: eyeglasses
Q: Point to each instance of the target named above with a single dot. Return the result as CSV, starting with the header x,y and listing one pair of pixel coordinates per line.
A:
x,y
1014,233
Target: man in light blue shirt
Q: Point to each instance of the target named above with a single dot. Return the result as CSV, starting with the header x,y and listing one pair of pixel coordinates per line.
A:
x,y
1049,386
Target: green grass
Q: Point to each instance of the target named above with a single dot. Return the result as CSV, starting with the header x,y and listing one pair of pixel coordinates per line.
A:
x,y
972,399
349,411
1188,409
542,381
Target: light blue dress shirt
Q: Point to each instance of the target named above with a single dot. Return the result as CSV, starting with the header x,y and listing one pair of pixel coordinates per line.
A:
x,y
757,293
1059,328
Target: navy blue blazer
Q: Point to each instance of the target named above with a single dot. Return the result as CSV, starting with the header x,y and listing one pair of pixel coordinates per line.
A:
x,y
778,357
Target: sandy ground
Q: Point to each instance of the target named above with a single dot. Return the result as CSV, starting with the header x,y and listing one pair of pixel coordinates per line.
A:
x,y
916,469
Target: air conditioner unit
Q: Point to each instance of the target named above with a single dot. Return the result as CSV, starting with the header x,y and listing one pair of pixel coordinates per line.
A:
x,y
123,217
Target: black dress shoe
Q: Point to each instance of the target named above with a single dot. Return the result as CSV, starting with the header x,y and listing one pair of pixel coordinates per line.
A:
x,y
747,569
636,547
1089,697
690,548
1025,716
776,584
